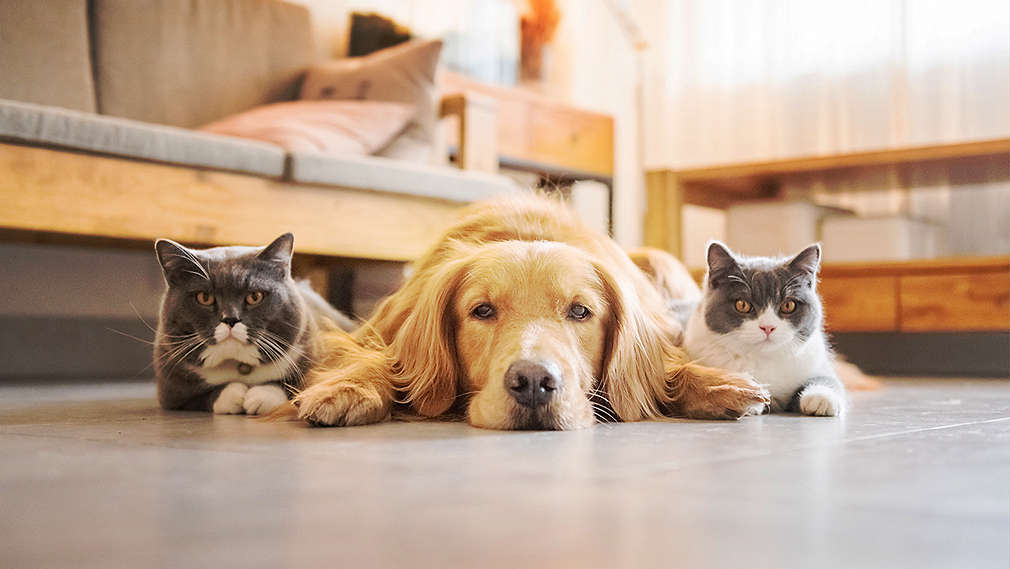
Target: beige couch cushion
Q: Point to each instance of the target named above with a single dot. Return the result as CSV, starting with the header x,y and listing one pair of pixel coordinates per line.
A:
x,y
62,128
44,53
396,176
404,73
189,63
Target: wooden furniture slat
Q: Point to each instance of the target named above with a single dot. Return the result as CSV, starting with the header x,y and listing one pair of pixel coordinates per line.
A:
x,y
955,302
860,304
664,200
942,266
61,192
881,157
578,140
476,130
536,130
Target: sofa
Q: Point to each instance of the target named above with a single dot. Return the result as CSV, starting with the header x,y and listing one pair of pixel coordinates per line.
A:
x,y
98,104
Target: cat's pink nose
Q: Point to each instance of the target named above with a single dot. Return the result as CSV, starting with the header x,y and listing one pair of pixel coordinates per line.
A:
x,y
767,330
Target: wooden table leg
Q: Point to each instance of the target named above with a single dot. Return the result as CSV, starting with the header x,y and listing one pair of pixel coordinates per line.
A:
x,y
664,212
316,270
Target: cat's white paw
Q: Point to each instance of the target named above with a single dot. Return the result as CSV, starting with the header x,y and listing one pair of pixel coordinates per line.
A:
x,y
262,399
231,398
821,401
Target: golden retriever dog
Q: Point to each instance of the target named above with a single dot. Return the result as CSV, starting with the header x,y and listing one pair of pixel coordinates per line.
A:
x,y
519,317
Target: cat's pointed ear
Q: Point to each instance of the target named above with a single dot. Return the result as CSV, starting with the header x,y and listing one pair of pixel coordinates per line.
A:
x,y
177,262
807,261
279,251
720,262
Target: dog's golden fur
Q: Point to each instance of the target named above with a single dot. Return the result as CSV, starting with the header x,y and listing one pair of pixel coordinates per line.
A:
x,y
531,260
667,274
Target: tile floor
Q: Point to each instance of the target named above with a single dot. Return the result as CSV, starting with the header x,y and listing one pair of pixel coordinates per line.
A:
x,y
917,475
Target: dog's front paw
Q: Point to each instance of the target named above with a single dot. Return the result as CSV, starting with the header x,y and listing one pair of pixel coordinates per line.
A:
x,y
732,397
341,404
821,401
230,400
262,399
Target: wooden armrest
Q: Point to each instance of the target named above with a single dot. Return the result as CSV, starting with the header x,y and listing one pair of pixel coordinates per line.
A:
x,y
477,130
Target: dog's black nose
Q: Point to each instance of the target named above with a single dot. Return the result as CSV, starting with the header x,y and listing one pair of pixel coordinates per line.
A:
x,y
531,383
231,320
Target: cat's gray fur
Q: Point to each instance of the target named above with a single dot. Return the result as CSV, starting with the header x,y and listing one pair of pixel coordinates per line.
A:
x,y
255,354
793,359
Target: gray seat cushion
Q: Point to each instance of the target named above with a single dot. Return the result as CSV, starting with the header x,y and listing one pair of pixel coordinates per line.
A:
x,y
36,124
386,175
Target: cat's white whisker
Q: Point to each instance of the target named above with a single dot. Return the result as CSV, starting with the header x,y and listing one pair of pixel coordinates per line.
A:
x,y
197,344
276,352
130,336
177,348
141,318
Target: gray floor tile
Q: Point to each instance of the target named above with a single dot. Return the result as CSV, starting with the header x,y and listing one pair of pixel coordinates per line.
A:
x,y
917,475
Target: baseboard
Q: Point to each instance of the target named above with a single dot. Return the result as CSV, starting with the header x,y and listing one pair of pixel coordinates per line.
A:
x,y
66,348
965,354
84,348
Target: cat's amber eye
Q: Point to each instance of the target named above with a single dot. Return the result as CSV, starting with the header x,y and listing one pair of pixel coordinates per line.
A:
x,y
788,307
742,306
205,298
254,298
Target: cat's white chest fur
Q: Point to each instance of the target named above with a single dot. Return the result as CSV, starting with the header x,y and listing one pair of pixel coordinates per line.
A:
x,y
782,368
221,362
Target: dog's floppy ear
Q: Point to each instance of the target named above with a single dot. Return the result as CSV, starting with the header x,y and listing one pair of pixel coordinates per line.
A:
x,y
634,377
425,364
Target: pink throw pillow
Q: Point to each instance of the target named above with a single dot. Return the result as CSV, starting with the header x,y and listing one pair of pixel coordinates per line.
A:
x,y
337,128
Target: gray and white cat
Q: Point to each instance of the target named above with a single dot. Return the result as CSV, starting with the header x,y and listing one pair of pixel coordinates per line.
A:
x,y
762,316
235,331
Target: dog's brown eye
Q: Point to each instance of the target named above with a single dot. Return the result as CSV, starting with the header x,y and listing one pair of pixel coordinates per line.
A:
x,y
254,298
483,311
788,307
205,298
578,312
742,306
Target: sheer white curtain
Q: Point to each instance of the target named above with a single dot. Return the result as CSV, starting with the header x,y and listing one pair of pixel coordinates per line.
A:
x,y
743,80
736,80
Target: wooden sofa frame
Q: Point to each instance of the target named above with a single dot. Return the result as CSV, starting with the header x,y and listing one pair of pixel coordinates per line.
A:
x,y
67,196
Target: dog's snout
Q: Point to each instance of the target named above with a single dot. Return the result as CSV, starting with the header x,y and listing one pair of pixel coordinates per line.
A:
x,y
531,383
